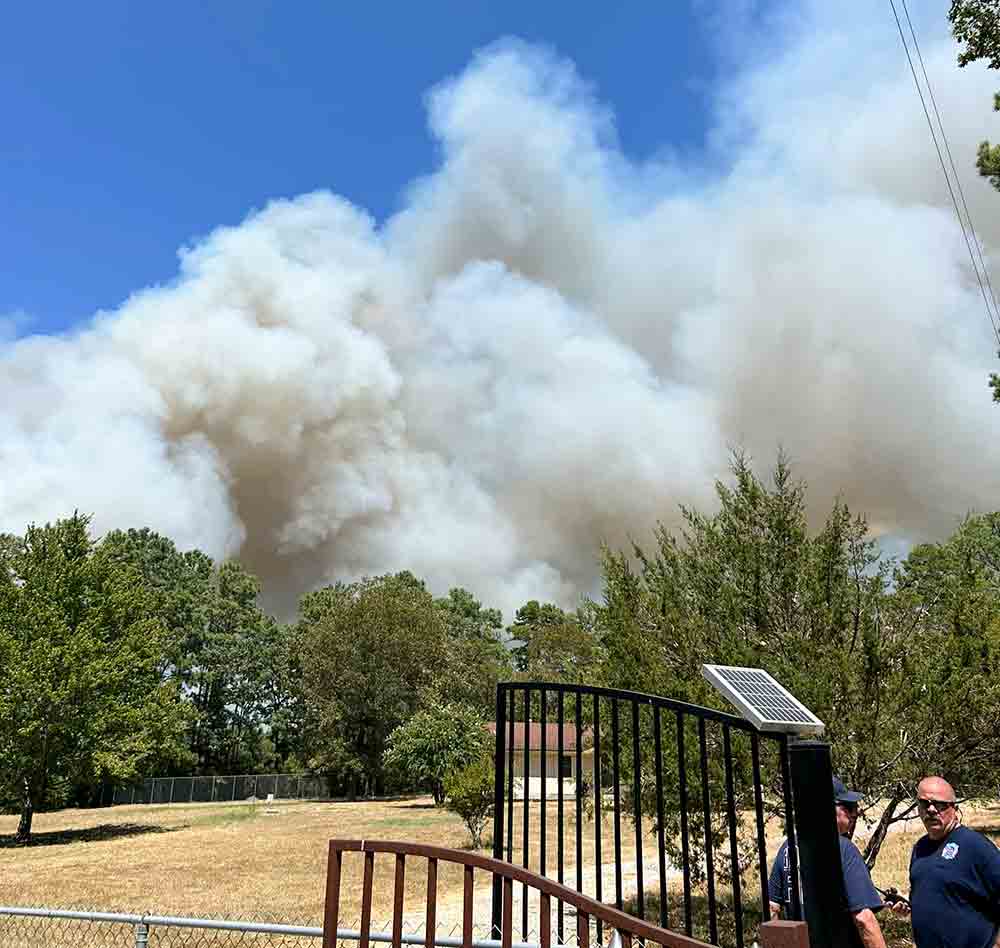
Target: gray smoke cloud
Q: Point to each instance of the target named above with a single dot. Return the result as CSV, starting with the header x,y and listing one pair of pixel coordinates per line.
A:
x,y
550,345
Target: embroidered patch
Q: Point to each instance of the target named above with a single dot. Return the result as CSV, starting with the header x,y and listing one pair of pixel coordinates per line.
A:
x,y
950,851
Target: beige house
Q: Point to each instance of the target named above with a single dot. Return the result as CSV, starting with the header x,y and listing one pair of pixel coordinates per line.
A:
x,y
556,767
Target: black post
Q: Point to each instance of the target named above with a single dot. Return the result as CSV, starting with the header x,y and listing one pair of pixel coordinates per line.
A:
x,y
499,764
824,900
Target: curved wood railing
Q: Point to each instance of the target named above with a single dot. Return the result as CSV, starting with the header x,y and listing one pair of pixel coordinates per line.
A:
x,y
627,927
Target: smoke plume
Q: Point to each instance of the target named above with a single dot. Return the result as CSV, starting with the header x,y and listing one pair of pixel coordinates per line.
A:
x,y
550,345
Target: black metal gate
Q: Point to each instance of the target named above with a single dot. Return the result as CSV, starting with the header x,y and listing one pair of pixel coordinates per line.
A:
x,y
679,798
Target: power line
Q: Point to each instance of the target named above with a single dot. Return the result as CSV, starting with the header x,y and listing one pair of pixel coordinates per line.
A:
x,y
951,161
991,296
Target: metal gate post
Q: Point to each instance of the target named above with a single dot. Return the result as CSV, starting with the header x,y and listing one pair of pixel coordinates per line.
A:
x,y
141,935
499,769
823,897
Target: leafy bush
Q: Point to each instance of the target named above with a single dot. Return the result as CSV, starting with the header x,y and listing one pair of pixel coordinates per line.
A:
x,y
437,740
469,793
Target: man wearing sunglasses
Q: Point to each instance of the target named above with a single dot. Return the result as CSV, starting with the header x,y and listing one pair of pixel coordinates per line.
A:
x,y
954,876
863,900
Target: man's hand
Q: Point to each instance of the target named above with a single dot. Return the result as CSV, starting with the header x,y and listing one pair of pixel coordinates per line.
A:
x,y
900,908
868,928
775,911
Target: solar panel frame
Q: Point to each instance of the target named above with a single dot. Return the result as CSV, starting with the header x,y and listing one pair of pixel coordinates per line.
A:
x,y
765,703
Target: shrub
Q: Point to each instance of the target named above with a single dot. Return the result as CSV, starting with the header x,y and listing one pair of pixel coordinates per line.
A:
x,y
469,793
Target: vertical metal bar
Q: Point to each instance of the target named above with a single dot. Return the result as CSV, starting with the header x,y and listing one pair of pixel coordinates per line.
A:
x,y
467,906
578,785
430,926
510,779
706,812
331,912
499,765
561,711
660,841
507,931
617,791
173,780
598,822
141,935
734,853
583,929
823,895
543,722
526,793
637,811
366,899
685,842
793,847
397,901
758,805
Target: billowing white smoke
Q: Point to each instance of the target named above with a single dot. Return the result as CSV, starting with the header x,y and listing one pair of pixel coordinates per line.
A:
x,y
549,346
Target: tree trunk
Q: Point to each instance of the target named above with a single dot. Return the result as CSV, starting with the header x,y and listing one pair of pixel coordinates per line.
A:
x,y
878,837
23,834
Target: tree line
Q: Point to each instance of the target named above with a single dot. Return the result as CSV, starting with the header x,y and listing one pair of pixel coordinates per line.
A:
x,y
124,657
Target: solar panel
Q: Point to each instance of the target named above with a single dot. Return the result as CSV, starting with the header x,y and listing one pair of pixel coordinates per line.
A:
x,y
761,700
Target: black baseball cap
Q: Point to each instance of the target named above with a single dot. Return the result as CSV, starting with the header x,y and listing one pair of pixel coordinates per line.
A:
x,y
841,794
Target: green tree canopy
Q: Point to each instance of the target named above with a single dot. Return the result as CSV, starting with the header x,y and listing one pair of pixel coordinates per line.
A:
x,y
976,25
437,740
474,657
236,664
554,645
83,694
873,655
369,651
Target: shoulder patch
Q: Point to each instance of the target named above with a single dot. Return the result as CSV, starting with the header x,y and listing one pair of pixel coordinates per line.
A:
x,y
950,851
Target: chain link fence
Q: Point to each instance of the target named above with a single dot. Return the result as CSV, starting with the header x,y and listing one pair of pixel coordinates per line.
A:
x,y
59,928
64,928
220,789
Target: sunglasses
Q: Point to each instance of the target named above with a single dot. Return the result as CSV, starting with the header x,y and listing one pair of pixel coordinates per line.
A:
x,y
850,807
926,803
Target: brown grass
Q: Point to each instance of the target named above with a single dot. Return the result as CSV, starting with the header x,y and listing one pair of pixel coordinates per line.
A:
x,y
233,860
258,862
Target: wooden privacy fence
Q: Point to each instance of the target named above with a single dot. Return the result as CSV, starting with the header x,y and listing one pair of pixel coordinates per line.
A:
x,y
629,929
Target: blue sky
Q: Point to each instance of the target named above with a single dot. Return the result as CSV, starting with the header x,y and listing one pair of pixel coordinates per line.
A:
x,y
130,129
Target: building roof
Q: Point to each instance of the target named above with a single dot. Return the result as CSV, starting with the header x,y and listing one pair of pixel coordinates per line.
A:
x,y
551,736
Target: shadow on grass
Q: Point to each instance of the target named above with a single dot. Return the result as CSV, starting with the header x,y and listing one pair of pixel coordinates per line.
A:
x,y
92,834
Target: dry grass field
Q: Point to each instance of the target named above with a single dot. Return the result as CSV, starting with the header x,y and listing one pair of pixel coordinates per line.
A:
x,y
251,861
246,861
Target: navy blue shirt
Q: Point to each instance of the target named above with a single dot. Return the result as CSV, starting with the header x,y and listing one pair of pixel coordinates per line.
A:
x,y
955,890
861,894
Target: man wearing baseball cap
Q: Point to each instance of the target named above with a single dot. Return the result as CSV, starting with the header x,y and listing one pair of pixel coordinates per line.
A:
x,y
863,900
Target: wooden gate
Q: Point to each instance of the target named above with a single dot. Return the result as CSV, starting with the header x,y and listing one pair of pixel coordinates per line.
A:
x,y
589,913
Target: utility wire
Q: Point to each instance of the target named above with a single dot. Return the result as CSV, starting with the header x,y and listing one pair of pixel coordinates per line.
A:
x,y
987,298
951,161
